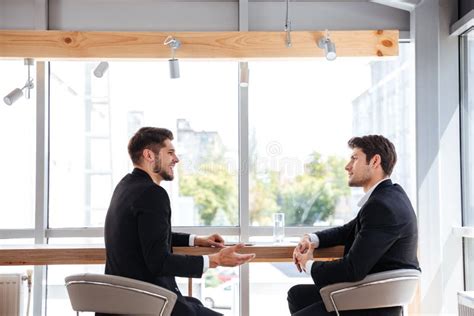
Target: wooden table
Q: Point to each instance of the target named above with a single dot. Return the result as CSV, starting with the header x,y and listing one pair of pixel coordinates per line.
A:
x,y
11,255
17,255
95,254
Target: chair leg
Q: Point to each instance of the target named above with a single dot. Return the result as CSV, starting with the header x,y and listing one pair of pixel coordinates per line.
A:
x,y
333,303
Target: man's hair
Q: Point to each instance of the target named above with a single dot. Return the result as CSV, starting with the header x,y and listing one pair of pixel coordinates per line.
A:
x,y
152,138
372,145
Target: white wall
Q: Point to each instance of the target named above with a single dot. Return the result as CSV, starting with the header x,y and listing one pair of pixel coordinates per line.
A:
x,y
438,155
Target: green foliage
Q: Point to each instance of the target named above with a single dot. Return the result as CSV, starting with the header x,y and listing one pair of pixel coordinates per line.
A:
x,y
305,199
214,189
263,198
314,195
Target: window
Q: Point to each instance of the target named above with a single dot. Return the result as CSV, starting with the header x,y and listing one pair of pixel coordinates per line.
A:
x,y
467,148
217,289
299,123
92,120
301,114
270,282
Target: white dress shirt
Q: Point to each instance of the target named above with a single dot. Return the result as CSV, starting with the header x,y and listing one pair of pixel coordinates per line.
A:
x,y
205,265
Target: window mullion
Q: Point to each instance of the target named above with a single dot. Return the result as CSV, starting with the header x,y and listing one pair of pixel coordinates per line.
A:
x,y
42,176
244,189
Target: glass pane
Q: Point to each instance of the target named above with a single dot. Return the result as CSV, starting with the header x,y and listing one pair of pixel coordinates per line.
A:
x,y
270,282
18,161
57,299
297,156
218,289
467,143
468,127
92,120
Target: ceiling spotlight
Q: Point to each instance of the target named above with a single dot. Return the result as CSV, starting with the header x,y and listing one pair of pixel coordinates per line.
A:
x,y
174,44
328,46
244,74
101,68
17,93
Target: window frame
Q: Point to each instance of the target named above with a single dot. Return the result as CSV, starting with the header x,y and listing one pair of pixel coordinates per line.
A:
x,y
466,230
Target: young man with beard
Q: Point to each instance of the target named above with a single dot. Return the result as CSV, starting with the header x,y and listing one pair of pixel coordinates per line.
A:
x,y
138,238
382,237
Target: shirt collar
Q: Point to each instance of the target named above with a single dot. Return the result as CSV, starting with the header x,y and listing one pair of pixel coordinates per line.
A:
x,y
369,193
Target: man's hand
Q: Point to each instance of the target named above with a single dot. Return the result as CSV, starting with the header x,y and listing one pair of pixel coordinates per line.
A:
x,y
302,258
302,248
228,257
214,240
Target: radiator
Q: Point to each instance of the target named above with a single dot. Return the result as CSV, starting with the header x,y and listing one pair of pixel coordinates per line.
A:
x,y
466,303
11,295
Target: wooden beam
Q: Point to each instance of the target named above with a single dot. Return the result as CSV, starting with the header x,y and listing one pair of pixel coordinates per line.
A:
x,y
50,45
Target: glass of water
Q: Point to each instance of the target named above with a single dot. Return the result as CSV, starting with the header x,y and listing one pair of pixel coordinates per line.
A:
x,y
278,227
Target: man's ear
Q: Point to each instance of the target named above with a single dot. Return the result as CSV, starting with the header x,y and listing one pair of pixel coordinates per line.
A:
x,y
376,160
148,155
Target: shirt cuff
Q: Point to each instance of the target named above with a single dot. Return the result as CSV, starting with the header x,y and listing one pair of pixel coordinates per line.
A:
x,y
191,240
314,239
205,265
308,266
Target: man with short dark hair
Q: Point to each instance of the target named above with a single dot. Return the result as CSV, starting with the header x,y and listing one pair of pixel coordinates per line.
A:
x,y
382,237
138,238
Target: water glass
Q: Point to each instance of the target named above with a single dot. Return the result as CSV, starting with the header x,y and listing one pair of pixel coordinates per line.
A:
x,y
278,227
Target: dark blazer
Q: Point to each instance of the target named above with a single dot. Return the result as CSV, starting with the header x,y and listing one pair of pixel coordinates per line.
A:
x,y
138,237
383,236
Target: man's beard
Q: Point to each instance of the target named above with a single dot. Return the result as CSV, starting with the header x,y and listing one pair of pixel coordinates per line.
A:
x,y
157,168
361,181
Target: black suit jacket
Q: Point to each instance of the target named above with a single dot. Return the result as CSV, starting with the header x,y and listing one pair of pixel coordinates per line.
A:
x,y
383,236
138,237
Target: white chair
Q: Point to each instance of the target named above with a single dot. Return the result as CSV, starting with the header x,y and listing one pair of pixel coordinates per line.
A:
x,y
383,289
112,294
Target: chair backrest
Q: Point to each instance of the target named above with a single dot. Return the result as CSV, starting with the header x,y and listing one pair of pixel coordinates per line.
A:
x,y
383,289
118,295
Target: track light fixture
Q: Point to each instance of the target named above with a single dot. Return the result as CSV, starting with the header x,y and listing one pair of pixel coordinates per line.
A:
x,y
17,93
328,46
174,44
244,74
100,69
288,25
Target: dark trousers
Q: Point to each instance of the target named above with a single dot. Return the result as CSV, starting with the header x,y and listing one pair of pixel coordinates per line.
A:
x,y
305,300
190,306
